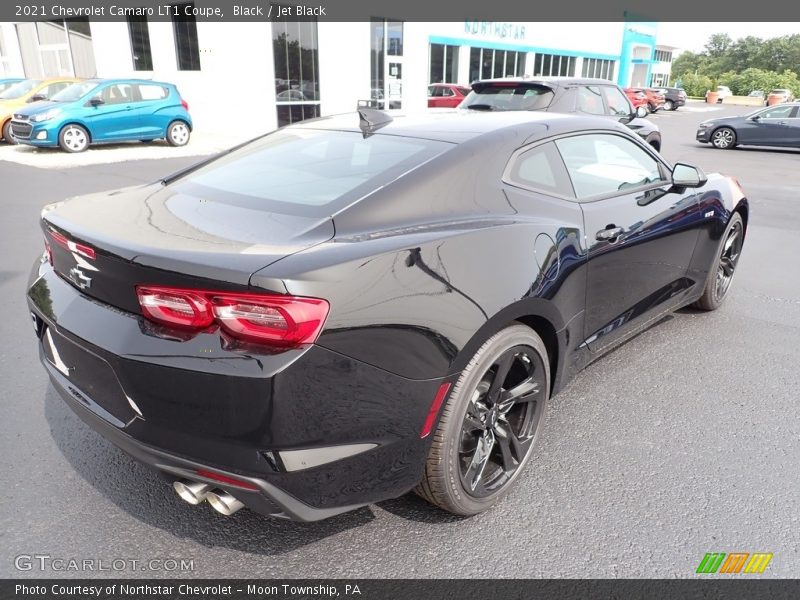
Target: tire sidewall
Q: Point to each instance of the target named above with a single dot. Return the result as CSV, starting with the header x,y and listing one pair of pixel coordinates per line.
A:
x,y
7,137
709,294
171,126
66,148
450,429
729,146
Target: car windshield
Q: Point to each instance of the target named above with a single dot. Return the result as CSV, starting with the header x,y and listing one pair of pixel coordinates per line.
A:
x,y
308,172
74,92
20,89
508,96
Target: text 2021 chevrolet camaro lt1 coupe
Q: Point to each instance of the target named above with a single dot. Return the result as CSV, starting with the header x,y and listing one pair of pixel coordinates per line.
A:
x,y
353,307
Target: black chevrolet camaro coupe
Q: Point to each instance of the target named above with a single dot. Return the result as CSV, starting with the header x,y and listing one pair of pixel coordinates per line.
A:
x,y
353,307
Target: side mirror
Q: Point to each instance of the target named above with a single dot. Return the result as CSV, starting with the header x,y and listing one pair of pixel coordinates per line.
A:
x,y
684,175
641,112
96,101
37,98
755,118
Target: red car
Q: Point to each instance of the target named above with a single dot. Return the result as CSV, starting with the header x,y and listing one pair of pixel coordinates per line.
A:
x,y
655,99
446,95
637,97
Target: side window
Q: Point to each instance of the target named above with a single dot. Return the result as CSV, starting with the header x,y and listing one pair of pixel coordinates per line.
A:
x,y
541,169
52,89
118,93
617,101
464,91
447,92
152,92
779,112
590,101
601,163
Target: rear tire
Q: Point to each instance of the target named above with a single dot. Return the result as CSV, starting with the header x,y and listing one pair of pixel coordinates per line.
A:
x,y
488,429
178,133
668,105
73,138
720,276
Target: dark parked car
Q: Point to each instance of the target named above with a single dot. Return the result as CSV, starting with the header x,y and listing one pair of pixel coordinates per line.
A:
x,y
674,98
777,125
597,97
348,309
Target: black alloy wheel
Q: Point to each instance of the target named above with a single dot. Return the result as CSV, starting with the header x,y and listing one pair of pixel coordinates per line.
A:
x,y
720,276
490,423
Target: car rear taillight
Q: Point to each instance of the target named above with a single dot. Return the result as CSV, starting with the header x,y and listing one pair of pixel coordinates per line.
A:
x,y
49,251
64,242
185,105
260,318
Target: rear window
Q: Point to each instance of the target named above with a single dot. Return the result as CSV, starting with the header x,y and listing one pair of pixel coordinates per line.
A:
x,y
505,96
308,172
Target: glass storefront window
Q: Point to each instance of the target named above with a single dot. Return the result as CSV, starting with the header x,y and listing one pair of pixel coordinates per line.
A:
x,y
443,63
296,56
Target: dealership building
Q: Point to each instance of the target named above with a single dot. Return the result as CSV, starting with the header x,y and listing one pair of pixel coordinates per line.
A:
x,y
247,77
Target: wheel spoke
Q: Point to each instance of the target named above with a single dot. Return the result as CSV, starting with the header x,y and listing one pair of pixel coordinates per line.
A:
x,y
479,459
522,392
726,264
503,367
512,449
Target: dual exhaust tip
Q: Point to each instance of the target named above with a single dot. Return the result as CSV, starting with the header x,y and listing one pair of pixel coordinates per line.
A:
x,y
195,493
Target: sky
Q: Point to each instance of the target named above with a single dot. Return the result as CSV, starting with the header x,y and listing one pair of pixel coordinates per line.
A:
x,y
693,36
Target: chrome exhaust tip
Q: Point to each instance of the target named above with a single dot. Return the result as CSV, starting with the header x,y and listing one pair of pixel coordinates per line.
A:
x,y
192,492
224,503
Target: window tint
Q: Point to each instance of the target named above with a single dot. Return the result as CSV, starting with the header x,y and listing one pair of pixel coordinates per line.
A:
x,y
541,168
187,48
604,163
153,92
118,93
618,104
52,89
310,172
505,97
74,91
140,43
778,112
590,101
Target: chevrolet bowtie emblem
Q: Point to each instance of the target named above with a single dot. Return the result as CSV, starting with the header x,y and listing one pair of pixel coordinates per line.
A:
x,y
79,278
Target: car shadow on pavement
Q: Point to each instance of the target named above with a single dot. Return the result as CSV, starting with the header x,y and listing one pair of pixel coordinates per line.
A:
x,y
413,508
144,494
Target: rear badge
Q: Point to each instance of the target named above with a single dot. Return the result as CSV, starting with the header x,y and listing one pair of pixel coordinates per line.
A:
x,y
79,278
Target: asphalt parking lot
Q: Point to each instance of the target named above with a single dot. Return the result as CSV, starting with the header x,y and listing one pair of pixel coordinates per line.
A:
x,y
686,440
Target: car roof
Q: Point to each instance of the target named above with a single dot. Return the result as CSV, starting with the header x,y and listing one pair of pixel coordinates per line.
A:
x,y
549,81
105,80
457,126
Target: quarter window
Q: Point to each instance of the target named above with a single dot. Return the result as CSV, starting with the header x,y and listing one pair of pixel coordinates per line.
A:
x,y
590,100
600,164
541,169
152,92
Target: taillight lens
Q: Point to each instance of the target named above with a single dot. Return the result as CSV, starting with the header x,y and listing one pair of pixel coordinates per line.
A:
x,y
177,308
65,242
185,105
260,318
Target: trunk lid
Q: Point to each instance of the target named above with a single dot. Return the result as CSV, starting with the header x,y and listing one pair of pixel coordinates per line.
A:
x,y
170,235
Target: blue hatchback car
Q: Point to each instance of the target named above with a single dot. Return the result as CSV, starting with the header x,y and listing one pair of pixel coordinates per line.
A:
x,y
7,83
99,111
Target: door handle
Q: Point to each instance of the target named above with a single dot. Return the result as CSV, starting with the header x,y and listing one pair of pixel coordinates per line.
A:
x,y
609,234
781,122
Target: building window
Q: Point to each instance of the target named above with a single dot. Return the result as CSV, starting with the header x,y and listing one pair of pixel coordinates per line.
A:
x,y
663,56
386,41
488,63
57,48
296,56
140,43
554,65
3,57
598,67
444,64
187,49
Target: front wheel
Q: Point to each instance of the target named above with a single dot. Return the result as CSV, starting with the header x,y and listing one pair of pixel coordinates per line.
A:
x,y
7,135
73,138
724,138
720,275
668,105
178,133
489,424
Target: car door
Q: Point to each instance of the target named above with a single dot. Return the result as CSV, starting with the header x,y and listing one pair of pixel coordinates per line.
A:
x,y
110,112
149,102
771,127
640,233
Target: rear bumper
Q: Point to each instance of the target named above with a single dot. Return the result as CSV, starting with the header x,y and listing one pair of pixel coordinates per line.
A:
x,y
180,405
